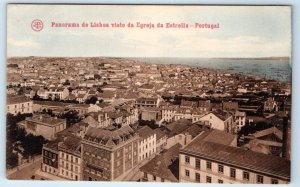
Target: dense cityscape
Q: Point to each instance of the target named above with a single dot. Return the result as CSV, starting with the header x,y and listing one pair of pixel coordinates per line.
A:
x,y
119,119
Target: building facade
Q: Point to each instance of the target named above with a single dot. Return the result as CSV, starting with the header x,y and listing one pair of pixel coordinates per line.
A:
x,y
18,104
209,162
43,125
147,143
108,155
50,158
70,158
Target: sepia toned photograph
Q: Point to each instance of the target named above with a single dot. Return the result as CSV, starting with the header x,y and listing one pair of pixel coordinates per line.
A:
x,y
149,93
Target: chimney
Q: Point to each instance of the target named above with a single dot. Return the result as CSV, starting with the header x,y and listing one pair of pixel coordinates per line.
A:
x,y
284,137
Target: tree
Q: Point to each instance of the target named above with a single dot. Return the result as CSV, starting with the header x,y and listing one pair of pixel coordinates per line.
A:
x,y
11,160
67,82
72,117
91,100
32,145
97,76
14,133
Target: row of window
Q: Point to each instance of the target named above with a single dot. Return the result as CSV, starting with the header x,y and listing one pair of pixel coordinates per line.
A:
x,y
49,169
246,174
17,106
150,143
260,178
67,166
50,154
67,156
68,174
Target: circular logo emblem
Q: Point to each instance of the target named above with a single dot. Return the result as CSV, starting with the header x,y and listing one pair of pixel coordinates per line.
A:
x,y
37,25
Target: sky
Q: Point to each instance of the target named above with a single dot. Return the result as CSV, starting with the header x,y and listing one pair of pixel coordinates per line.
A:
x,y
249,31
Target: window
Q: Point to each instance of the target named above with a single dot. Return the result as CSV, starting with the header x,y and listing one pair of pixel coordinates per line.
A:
x,y
232,172
187,159
220,168
274,181
187,173
220,181
245,175
260,179
208,165
208,179
197,177
197,163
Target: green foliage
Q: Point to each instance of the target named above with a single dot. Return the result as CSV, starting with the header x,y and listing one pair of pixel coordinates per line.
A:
x,y
91,100
13,132
72,117
32,145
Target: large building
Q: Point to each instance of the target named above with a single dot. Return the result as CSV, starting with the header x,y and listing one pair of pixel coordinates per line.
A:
x,y
70,158
43,125
147,143
50,157
18,104
210,161
109,154
147,102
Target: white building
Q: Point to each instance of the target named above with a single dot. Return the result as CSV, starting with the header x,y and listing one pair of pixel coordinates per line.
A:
x,y
147,143
220,120
18,104
204,161
70,158
240,119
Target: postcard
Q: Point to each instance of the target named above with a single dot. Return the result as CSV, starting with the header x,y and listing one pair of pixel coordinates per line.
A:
x,y
149,93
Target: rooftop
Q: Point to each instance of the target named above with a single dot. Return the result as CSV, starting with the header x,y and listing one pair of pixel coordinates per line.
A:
x,y
223,115
16,99
71,143
240,158
45,119
164,165
109,137
145,132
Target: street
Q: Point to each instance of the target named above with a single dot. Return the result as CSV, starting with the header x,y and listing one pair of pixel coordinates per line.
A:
x,y
25,173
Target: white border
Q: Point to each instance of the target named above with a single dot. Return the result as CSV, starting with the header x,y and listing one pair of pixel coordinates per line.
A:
x,y
295,89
